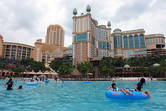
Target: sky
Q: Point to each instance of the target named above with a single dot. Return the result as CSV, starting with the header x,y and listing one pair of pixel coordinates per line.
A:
x,y
24,21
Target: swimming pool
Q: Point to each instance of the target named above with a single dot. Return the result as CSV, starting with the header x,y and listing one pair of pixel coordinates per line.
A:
x,y
78,96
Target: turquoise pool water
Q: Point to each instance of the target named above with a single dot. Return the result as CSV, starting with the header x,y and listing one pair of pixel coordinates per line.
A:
x,y
78,96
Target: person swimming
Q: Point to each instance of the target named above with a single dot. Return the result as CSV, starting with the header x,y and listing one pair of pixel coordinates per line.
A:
x,y
114,88
10,84
139,86
20,87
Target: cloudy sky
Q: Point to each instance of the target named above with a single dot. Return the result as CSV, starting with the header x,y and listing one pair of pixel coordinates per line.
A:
x,y
24,21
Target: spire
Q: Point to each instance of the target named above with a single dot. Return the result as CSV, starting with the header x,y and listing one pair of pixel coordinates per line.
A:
x,y
109,24
74,11
88,8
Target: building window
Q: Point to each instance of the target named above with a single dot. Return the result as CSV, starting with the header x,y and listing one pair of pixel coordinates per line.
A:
x,y
81,37
136,40
156,40
125,42
131,41
118,41
104,45
93,41
148,41
142,40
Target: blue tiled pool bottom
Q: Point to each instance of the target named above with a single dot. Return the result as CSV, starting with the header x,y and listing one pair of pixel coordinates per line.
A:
x,y
78,96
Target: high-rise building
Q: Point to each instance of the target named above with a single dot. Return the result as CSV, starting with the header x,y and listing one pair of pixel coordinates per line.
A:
x,y
91,40
55,35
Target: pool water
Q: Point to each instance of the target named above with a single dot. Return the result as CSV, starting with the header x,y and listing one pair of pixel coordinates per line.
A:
x,y
78,96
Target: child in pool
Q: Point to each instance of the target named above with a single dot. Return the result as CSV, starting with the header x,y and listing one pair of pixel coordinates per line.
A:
x,y
140,85
113,87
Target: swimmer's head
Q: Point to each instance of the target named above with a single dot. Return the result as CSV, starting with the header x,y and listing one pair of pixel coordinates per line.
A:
x,y
20,87
10,80
142,80
113,85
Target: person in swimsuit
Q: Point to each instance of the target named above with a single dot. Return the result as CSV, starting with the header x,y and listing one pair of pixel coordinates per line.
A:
x,y
114,88
140,85
10,85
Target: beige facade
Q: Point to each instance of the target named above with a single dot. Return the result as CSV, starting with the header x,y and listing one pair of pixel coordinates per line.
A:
x,y
55,35
155,44
129,43
42,52
46,53
15,51
89,39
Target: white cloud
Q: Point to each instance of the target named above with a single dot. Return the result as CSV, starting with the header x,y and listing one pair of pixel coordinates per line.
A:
x,y
26,21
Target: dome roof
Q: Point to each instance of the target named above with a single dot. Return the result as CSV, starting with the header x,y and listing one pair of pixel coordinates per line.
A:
x,y
88,8
117,30
70,47
156,65
74,11
126,66
109,24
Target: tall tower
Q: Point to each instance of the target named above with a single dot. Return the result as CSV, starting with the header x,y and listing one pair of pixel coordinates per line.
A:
x,y
89,38
55,35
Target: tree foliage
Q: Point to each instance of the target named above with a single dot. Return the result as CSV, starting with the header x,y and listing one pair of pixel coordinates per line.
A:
x,y
18,69
85,68
56,63
65,69
30,65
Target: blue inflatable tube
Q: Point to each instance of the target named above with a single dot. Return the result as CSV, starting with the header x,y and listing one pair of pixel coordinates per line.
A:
x,y
31,83
47,81
120,95
87,81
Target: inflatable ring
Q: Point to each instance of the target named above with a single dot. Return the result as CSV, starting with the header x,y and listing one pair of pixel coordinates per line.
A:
x,y
120,95
31,83
47,81
87,81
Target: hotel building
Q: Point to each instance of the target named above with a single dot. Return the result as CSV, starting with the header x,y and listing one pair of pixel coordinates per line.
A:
x,y
55,35
91,40
42,52
15,51
155,44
